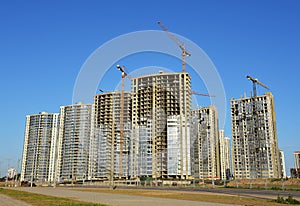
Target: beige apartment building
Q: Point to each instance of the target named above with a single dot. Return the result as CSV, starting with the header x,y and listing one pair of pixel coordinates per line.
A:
x,y
255,152
205,140
155,98
110,142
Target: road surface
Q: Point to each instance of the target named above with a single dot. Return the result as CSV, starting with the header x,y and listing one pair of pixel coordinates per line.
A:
x,y
113,199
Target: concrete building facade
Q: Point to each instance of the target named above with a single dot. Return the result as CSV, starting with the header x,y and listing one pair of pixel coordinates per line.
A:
x,y
110,154
178,162
255,152
74,142
205,140
155,98
38,159
297,159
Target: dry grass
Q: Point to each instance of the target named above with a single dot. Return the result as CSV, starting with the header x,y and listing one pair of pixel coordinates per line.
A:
x,y
194,196
43,200
290,184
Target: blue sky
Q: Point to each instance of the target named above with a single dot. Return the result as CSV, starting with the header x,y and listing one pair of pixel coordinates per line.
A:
x,y
43,45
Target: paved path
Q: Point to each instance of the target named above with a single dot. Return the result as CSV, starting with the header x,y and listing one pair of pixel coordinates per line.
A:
x,y
8,201
113,199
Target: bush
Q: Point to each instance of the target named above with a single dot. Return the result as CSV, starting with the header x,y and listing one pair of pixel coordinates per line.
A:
x,y
289,200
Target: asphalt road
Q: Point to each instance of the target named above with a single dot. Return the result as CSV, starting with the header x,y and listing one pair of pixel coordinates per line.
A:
x,y
264,194
128,200
112,199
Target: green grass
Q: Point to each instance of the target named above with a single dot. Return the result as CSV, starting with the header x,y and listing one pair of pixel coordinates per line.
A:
x,y
44,200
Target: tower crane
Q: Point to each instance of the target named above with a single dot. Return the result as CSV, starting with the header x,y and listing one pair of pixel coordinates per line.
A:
x,y
201,94
181,45
102,91
255,81
124,74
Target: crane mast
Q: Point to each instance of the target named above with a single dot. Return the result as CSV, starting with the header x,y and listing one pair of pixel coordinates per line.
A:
x,y
184,53
124,74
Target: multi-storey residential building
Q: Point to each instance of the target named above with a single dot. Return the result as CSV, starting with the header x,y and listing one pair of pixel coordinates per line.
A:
x,y
224,156
74,142
155,98
297,159
38,161
178,162
255,152
205,140
282,163
111,141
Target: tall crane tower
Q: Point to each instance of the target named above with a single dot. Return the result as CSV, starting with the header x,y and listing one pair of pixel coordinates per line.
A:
x,y
181,45
255,81
256,138
124,74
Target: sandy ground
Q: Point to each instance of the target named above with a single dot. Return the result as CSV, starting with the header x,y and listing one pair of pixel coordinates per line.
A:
x,y
113,199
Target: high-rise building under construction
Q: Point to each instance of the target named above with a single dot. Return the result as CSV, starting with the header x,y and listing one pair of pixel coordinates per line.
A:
x,y
255,152
205,141
38,161
109,150
157,98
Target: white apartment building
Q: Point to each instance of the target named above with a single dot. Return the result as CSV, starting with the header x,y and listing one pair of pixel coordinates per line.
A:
x,y
74,142
38,160
282,163
224,155
179,148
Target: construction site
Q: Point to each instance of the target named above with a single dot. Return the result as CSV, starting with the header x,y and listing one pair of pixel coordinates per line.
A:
x,y
152,133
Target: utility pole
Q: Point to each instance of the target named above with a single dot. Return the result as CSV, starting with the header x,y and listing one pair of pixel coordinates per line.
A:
x,y
17,171
8,162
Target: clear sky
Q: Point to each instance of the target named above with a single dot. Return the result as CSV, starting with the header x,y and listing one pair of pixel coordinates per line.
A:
x,y
43,45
